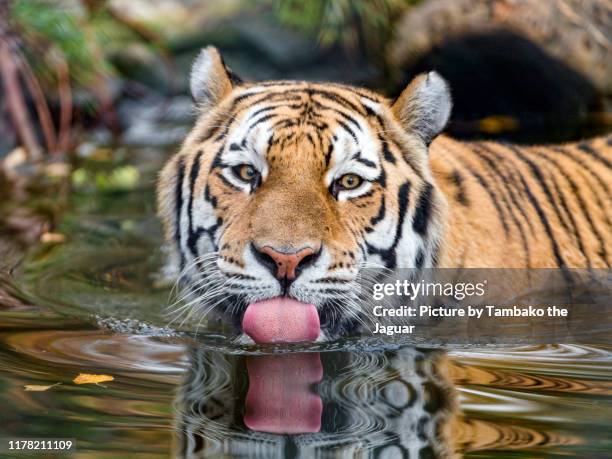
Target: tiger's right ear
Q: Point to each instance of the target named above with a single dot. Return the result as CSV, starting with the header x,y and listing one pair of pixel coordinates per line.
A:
x,y
210,78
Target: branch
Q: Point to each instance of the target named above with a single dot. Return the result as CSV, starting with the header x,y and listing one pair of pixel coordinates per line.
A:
x,y
16,104
65,99
42,108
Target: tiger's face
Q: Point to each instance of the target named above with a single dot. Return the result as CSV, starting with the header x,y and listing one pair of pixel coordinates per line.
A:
x,y
285,191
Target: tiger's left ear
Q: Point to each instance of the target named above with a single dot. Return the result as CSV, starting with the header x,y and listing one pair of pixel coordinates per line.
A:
x,y
424,106
210,78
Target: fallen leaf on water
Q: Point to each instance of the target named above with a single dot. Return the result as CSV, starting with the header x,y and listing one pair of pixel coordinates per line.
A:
x,y
38,388
52,238
85,378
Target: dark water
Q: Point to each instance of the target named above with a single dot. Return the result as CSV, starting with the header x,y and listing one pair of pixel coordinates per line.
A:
x,y
95,304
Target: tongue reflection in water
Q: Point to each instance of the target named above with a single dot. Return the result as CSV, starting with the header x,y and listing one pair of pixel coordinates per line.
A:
x,y
280,397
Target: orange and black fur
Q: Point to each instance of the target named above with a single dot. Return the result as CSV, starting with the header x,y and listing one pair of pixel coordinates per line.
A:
x,y
347,179
525,207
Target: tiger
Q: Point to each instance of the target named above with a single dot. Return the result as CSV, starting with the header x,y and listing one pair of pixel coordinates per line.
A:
x,y
284,192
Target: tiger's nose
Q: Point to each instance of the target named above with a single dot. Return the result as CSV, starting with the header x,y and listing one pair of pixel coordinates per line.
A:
x,y
283,264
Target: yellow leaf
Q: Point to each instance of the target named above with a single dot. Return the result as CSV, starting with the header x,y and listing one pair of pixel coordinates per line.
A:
x,y
496,124
85,378
37,388
52,238
57,170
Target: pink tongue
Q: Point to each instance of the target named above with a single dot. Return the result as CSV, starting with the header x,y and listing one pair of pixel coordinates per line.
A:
x,y
280,397
281,320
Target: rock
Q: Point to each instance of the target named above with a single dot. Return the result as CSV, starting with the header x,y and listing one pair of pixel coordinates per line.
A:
x,y
576,32
544,63
156,121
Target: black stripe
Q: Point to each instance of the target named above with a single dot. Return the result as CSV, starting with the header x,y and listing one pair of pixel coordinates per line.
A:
x,y
584,146
348,129
583,164
500,181
492,195
366,195
408,157
591,173
209,197
386,152
457,179
216,162
295,94
264,109
382,177
310,139
402,199
481,151
328,153
575,227
358,91
236,276
337,98
284,123
389,255
583,208
178,207
319,137
534,202
344,115
309,91
357,157
232,113
227,182
422,214
537,173
420,259
259,120
331,280
512,176
273,107
279,96
230,116
193,175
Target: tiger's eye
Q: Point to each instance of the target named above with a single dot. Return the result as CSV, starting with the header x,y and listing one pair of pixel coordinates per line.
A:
x,y
245,172
349,181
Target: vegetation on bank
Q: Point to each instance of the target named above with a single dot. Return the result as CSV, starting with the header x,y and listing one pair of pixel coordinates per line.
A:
x,y
49,52
56,58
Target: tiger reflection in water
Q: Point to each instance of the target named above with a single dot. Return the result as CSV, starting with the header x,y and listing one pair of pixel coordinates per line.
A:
x,y
394,404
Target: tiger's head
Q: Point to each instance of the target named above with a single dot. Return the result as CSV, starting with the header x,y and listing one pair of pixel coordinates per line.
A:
x,y
285,191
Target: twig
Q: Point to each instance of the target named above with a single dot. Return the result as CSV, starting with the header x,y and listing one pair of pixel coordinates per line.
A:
x,y
16,104
65,99
40,102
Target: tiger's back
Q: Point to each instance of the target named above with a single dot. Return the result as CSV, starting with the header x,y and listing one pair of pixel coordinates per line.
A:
x,y
525,206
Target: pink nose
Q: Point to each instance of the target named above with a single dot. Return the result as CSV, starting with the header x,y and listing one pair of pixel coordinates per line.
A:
x,y
287,263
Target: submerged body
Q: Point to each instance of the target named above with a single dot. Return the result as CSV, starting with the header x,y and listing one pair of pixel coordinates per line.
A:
x,y
285,192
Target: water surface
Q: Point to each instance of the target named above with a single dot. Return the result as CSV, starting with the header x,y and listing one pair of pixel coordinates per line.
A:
x,y
95,304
